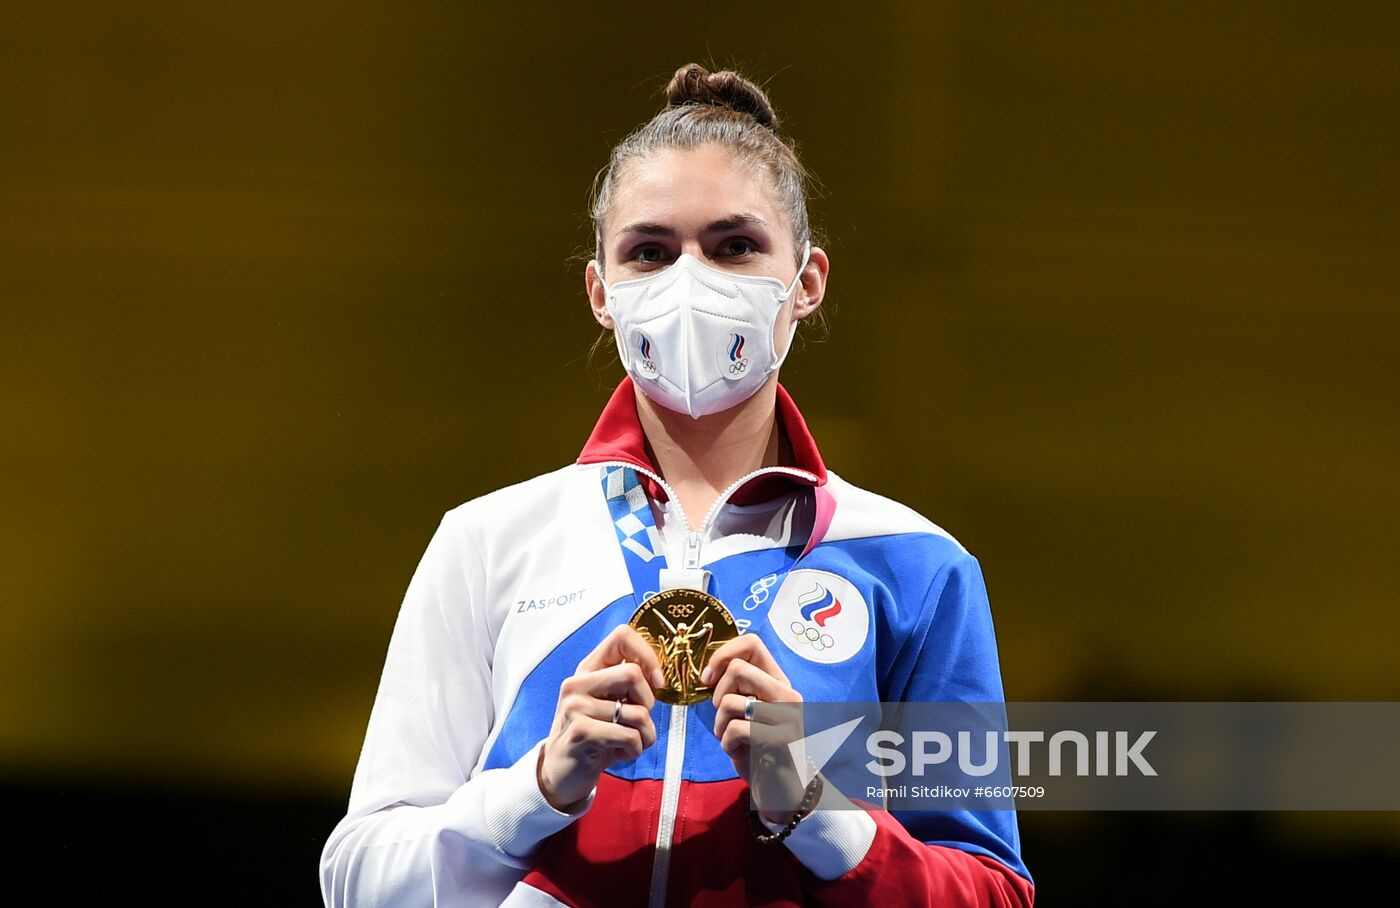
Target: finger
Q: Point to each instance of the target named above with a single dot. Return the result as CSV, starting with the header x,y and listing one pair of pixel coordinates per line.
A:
x,y
728,708
624,644
736,737
747,647
581,706
637,719
643,725
616,682
778,725
741,677
731,709
630,715
605,742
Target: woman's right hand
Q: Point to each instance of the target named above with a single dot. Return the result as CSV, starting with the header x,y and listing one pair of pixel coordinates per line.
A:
x,y
584,740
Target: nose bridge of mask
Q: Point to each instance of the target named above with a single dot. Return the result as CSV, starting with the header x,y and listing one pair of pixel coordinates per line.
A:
x,y
689,268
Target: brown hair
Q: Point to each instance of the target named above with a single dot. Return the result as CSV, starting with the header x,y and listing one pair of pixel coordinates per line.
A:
x,y
729,110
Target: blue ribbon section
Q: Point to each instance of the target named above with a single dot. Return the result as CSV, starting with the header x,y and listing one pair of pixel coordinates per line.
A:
x,y
636,530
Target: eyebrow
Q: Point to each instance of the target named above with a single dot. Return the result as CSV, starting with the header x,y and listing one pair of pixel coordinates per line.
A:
x,y
731,222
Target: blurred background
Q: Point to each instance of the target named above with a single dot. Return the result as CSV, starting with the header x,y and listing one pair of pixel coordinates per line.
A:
x,y
1113,298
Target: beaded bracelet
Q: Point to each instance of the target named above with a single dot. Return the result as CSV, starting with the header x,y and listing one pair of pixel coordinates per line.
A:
x,y
809,800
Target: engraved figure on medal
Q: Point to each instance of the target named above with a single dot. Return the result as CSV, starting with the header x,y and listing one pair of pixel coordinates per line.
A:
x,y
684,627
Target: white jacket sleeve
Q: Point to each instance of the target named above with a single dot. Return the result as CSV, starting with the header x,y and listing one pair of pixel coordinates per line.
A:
x,y
420,829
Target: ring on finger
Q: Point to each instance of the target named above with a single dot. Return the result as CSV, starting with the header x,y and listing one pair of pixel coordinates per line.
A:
x,y
617,711
748,707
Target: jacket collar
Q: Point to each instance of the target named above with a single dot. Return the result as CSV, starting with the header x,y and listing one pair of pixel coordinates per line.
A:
x,y
618,436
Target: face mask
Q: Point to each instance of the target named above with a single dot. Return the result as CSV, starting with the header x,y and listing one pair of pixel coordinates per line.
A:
x,y
698,340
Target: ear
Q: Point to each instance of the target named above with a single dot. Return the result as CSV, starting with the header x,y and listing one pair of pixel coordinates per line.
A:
x,y
597,296
812,288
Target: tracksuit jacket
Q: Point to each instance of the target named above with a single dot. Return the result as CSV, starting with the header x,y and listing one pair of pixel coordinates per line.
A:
x,y
518,585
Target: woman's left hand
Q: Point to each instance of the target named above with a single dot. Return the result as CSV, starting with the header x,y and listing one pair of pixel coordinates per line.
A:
x,y
740,669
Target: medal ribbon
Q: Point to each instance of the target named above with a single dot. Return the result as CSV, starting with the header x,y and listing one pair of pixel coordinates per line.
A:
x,y
637,535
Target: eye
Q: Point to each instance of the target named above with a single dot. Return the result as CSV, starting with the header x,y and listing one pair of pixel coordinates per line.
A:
x,y
737,246
648,254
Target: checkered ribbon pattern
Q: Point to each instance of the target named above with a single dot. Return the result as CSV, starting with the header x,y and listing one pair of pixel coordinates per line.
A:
x,y
631,512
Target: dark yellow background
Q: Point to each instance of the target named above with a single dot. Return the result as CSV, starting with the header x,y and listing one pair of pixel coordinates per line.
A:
x,y
1114,291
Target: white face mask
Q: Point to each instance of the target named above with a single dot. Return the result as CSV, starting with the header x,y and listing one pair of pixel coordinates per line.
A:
x,y
698,340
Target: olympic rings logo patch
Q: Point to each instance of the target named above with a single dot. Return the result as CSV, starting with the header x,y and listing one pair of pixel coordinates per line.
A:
x,y
819,615
812,636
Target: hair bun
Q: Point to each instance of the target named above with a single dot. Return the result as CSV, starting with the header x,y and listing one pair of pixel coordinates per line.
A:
x,y
694,84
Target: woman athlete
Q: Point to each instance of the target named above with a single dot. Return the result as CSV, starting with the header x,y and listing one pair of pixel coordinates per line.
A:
x,y
527,746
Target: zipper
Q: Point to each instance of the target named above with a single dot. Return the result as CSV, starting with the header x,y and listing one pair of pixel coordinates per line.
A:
x,y
675,738
670,805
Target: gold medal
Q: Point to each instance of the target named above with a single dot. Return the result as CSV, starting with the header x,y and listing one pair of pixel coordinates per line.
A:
x,y
684,627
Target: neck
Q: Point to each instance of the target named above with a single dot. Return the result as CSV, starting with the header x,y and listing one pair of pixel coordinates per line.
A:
x,y
699,458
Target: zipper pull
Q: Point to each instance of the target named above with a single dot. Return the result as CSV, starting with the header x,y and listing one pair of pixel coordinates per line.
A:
x,y
692,550
691,576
